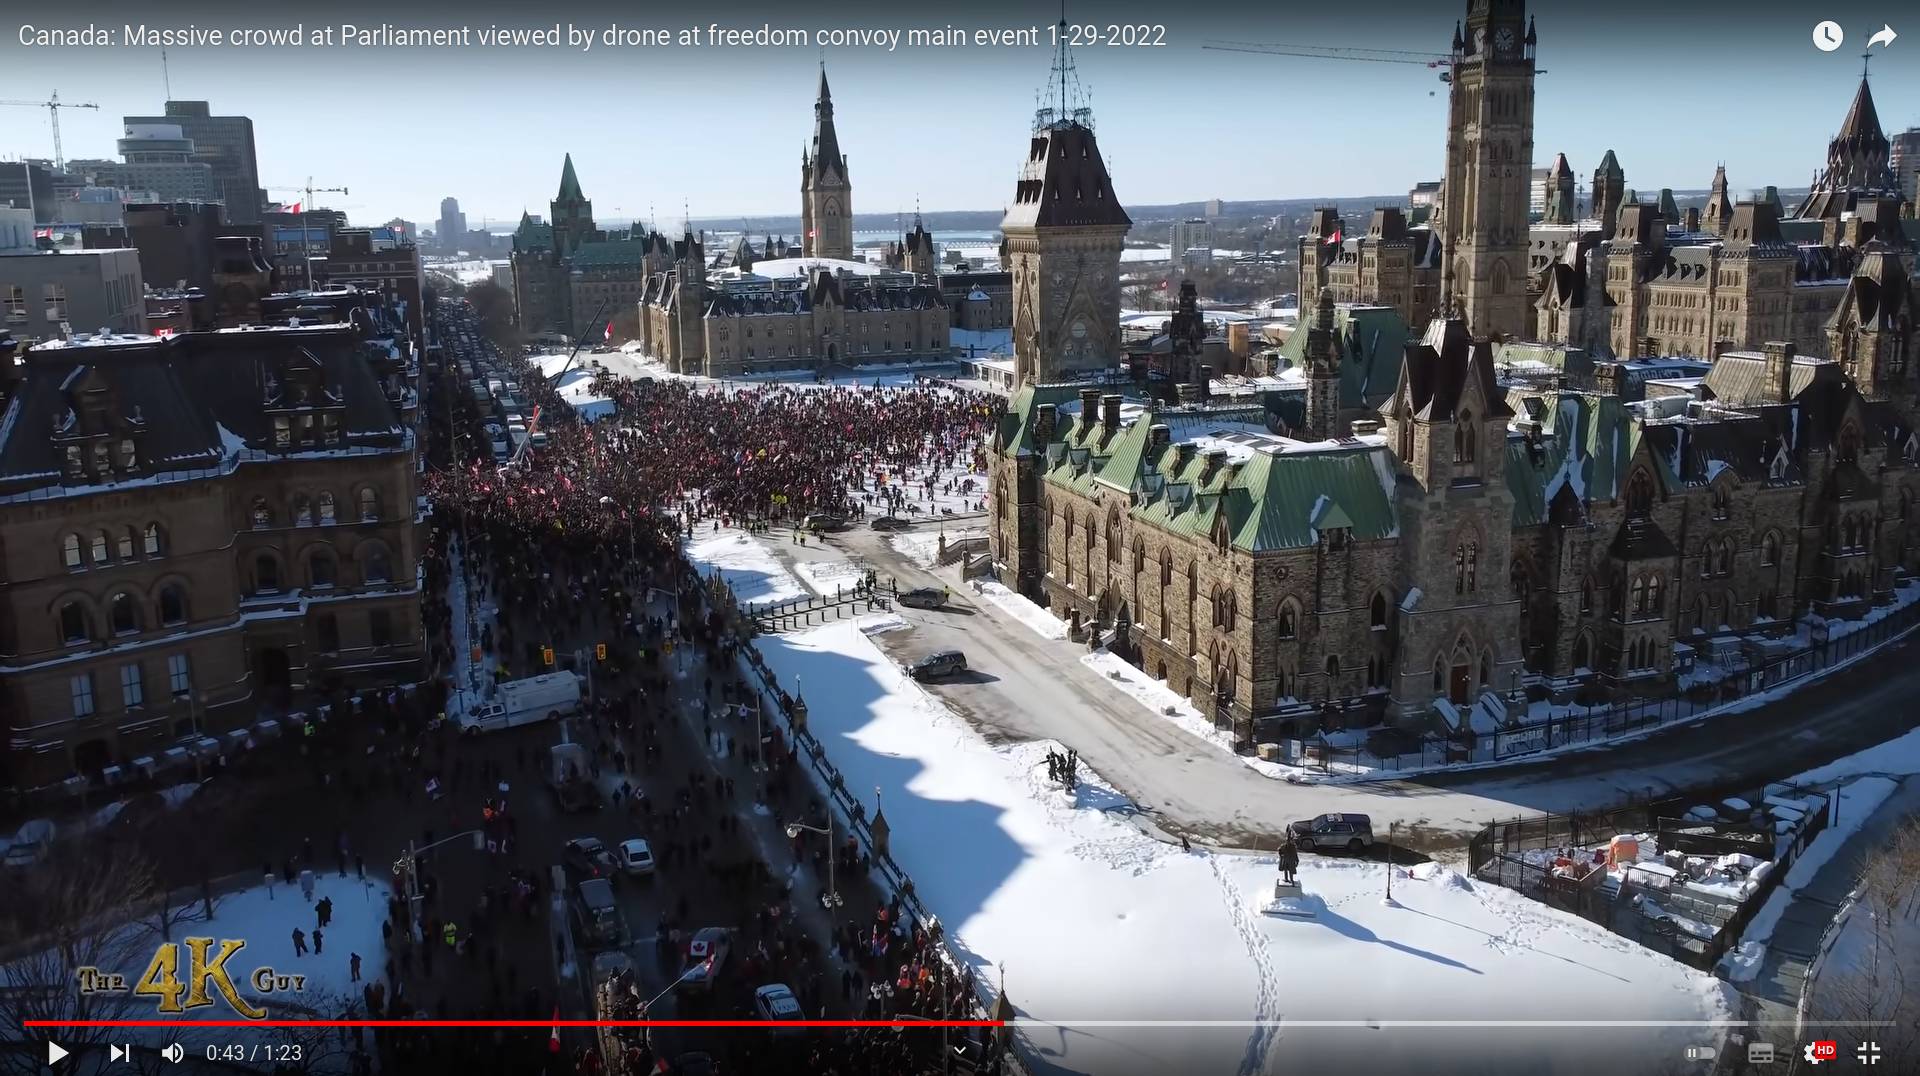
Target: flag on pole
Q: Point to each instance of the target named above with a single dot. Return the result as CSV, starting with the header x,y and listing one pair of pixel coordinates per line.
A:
x,y
1335,237
295,207
553,1041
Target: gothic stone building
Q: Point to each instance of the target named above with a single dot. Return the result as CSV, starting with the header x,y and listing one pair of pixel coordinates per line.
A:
x,y
794,313
1472,538
201,524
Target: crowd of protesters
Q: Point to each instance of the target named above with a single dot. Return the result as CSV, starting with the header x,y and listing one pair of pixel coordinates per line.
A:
x,y
579,539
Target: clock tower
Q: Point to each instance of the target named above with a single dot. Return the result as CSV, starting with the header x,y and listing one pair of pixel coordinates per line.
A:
x,y
1484,195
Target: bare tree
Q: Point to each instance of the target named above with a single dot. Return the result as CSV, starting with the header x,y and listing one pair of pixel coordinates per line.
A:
x,y
1870,974
80,908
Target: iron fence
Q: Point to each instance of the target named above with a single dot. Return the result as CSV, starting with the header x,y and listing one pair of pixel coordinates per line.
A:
x,y
1597,721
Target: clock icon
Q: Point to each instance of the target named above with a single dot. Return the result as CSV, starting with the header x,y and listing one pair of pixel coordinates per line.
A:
x,y
1827,35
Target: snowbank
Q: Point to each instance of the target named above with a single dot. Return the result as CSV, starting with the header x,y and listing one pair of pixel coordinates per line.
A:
x,y
1095,921
754,573
1177,709
1021,608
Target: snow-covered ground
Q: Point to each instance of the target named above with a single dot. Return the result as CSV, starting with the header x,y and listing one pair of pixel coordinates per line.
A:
x,y
1025,610
576,385
1097,923
829,577
754,573
923,546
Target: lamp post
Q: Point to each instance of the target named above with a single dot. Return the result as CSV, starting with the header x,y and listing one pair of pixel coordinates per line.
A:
x,y
831,899
409,865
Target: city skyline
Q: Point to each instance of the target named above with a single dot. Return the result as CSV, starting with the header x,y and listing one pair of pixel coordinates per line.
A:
x,y
1308,128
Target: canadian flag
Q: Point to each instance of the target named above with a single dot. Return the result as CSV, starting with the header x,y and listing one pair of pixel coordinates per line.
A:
x,y
812,233
1335,237
294,208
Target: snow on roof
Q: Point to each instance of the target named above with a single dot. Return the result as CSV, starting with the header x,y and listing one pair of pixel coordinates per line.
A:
x,y
791,268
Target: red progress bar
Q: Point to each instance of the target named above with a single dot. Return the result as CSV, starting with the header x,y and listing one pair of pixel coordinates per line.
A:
x,y
513,1023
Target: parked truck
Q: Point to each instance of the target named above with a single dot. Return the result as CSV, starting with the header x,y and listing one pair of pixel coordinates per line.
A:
x,y
520,702
571,777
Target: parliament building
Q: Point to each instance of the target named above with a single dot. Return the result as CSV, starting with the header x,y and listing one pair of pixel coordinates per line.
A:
x,y
1393,550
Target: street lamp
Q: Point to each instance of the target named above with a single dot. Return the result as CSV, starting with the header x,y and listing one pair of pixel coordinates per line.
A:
x,y
830,899
409,865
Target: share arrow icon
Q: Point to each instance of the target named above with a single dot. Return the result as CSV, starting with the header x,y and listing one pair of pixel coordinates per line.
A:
x,y
1883,37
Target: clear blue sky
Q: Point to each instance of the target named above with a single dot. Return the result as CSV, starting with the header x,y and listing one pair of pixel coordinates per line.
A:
x,y
1673,88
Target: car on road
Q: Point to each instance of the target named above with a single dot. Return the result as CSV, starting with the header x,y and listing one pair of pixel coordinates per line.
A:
x,y
1353,832
938,664
825,521
775,1002
601,924
889,523
706,957
636,856
924,597
587,857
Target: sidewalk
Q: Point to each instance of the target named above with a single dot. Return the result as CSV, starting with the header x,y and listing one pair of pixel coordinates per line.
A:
x,y
1796,938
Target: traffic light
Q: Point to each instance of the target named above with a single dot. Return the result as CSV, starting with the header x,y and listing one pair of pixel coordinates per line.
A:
x,y
546,655
599,651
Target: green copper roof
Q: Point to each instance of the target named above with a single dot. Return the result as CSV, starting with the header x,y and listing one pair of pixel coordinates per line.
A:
x,y
1370,342
569,184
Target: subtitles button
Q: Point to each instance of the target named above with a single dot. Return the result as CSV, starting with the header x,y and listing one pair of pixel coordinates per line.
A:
x,y
1759,1053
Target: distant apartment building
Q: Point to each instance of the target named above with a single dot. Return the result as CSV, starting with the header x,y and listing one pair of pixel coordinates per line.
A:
x,y
1904,160
453,224
49,295
1185,235
158,158
383,261
225,143
176,241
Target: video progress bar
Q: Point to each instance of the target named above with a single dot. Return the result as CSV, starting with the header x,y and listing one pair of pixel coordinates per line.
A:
x,y
1388,1025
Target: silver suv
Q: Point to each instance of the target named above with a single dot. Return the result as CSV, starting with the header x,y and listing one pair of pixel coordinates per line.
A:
x,y
1353,832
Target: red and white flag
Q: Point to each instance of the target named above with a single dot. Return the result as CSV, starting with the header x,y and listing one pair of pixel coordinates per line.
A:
x,y
1335,237
295,207
553,1041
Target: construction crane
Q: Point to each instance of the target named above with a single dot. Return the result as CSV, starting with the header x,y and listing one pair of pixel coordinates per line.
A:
x,y
306,239
1431,60
53,104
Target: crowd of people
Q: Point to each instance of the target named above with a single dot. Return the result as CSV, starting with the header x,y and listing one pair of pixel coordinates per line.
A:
x,y
579,539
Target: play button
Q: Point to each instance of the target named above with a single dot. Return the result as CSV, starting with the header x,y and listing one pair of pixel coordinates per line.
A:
x,y
54,1052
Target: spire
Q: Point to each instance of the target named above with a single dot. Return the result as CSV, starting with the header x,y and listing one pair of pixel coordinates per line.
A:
x,y
1610,165
569,184
1857,163
827,159
1064,100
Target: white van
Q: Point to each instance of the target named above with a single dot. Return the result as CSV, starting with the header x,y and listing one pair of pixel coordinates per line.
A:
x,y
522,702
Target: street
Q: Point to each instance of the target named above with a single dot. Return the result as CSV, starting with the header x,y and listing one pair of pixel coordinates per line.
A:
x,y
1021,686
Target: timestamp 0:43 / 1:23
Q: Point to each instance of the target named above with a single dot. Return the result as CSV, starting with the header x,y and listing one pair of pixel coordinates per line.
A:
x,y
255,1053
1134,34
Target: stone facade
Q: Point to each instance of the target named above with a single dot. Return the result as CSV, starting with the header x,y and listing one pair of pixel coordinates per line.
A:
x,y
204,526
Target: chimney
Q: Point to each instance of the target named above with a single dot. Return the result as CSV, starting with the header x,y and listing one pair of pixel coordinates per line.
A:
x,y
1778,387
1158,437
1186,392
1089,408
1721,347
1110,411
1216,458
1206,382
1183,455
1609,378
1691,219
1044,418
1365,427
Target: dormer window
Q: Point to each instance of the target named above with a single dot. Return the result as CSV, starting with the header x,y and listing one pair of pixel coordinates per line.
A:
x,y
100,458
262,514
126,454
76,461
282,431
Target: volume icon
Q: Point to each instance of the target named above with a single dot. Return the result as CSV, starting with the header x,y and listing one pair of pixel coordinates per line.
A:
x,y
172,1052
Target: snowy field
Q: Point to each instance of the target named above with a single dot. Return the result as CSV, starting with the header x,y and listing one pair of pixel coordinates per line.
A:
x,y
1098,924
755,574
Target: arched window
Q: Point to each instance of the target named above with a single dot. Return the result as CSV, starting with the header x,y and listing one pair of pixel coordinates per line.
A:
x,y
1582,653
266,574
1286,623
379,568
123,614
123,545
1653,595
70,551
369,505
303,511
99,547
1639,494
150,540
262,513
326,508
1166,568
1770,549
1702,615
1333,675
1377,611
1460,569
1486,670
73,623
1113,536
173,604
1473,567
1439,677
1639,595
1586,594
320,568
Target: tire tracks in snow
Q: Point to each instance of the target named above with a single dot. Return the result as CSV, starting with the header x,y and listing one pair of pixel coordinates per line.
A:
x,y
1267,990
